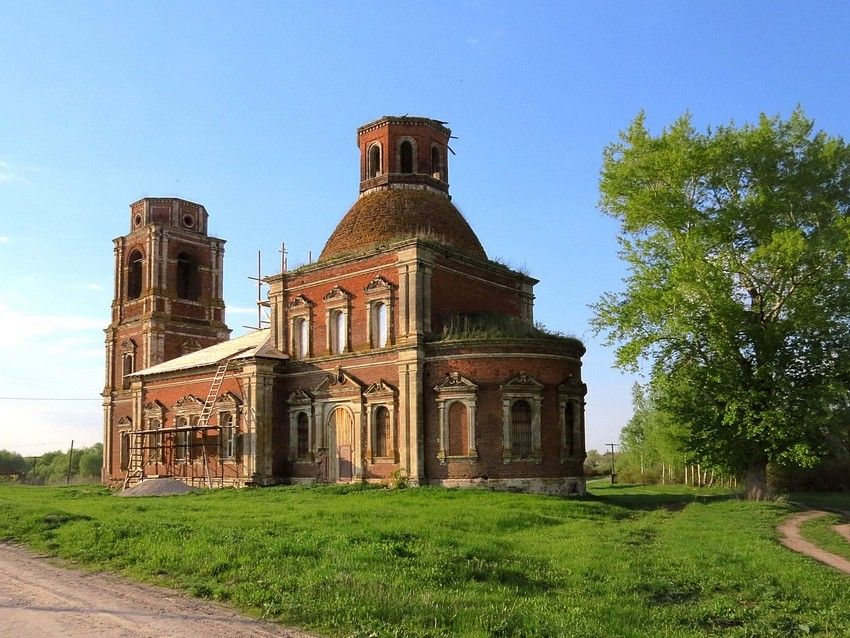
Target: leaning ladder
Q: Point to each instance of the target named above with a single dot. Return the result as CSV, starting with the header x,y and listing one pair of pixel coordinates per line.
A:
x,y
135,467
206,413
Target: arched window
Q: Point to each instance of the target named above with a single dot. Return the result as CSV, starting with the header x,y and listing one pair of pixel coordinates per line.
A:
x,y
405,156
125,450
134,275
382,431
303,435
436,163
458,429
188,286
521,429
301,338
380,327
569,424
374,161
339,330
128,362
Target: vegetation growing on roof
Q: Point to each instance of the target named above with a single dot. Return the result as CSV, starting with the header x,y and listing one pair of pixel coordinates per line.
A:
x,y
495,327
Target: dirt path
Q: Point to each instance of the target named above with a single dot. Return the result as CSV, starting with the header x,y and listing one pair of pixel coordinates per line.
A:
x,y
40,599
792,539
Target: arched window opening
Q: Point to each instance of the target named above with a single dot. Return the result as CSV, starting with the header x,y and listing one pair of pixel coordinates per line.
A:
x,y
405,152
382,431
134,275
128,364
374,161
569,424
436,163
521,429
303,445
339,331
301,338
188,285
458,429
380,327
125,450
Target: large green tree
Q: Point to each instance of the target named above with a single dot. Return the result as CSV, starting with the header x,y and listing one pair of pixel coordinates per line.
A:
x,y
737,242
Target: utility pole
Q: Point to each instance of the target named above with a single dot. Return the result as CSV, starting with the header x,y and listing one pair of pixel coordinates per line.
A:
x,y
70,456
613,474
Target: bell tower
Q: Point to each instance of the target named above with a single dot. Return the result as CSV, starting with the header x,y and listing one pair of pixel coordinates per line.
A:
x,y
404,152
167,298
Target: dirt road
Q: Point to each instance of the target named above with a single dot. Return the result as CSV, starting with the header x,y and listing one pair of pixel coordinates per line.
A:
x,y
792,539
40,599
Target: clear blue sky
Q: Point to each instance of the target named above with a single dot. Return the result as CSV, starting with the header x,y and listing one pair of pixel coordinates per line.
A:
x,y
251,109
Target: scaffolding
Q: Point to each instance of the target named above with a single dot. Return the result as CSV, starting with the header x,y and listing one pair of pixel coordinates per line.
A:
x,y
170,456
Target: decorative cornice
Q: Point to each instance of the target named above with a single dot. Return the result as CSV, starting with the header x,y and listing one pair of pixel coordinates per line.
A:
x,y
454,382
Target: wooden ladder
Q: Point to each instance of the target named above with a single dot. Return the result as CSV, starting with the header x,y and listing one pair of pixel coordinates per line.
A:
x,y
206,413
135,464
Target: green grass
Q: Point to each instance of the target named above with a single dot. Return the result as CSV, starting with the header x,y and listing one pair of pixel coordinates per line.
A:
x,y
819,531
628,561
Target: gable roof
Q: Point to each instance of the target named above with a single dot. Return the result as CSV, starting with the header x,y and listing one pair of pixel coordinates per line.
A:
x,y
253,344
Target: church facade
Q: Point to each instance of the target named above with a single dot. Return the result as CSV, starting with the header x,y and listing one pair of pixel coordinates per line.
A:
x,y
402,354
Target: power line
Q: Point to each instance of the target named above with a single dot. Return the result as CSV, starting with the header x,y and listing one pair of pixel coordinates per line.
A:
x,y
49,399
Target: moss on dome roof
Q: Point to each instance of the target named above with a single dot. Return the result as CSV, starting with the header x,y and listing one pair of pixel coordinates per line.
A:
x,y
383,216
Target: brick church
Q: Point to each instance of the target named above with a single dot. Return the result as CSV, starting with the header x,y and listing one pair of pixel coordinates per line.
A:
x,y
402,353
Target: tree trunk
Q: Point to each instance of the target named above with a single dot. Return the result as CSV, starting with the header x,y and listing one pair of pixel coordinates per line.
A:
x,y
755,481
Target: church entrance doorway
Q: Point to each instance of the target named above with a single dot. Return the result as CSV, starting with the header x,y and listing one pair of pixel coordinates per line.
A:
x,y
343,427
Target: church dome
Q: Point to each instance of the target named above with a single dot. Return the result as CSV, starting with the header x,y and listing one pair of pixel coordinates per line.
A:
x,y
381,216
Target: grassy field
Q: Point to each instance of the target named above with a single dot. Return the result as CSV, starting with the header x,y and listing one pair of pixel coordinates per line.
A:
x,y
628,561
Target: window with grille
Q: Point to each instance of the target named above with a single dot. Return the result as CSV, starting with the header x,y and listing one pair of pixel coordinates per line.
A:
x,y
521,429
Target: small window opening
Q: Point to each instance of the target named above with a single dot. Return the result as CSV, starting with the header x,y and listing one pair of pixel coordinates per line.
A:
x,y
125,450
569,424
374,161
436,163
188,286
129,367
382,431
134,276
303,443
406,157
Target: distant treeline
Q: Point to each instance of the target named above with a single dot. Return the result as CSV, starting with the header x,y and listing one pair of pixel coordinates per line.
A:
x,y
51,468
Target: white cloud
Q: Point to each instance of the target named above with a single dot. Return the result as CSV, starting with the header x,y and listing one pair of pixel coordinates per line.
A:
x,y
241,310
8,174
18,328
84,287
4,239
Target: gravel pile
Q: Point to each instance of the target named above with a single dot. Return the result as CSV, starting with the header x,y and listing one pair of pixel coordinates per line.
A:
x,y
159,487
